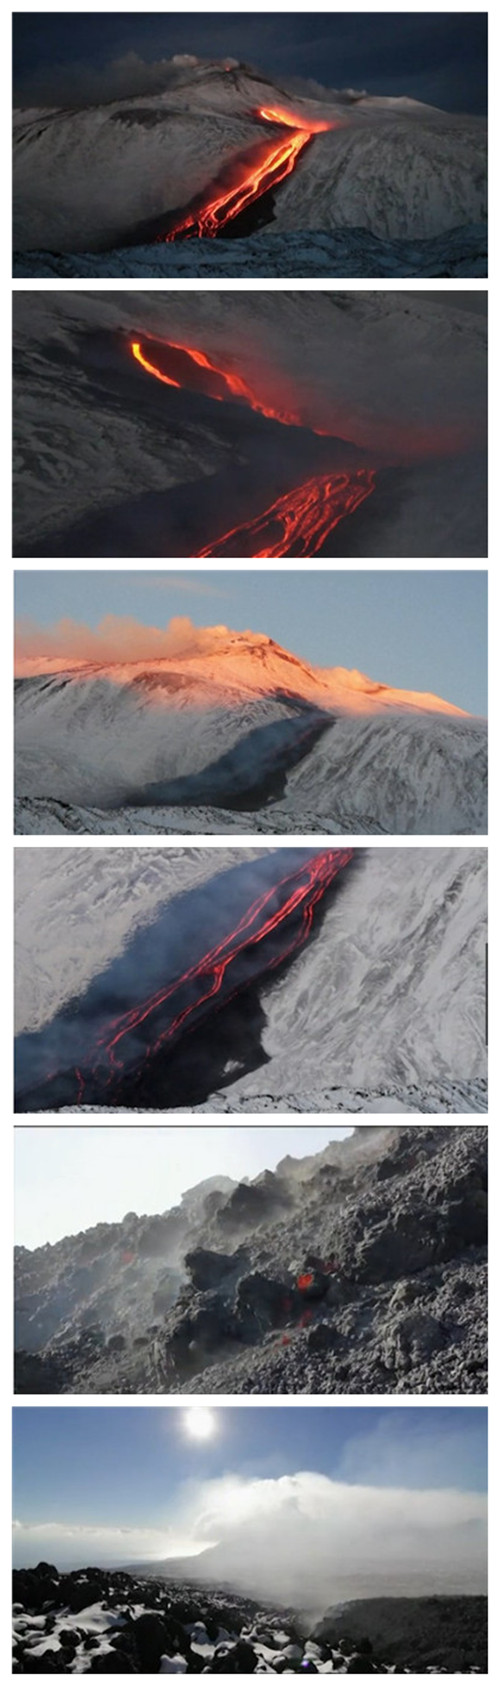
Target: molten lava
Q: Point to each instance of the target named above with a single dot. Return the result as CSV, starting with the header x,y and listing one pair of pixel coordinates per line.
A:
x,y
231,385
248,178
125,1046
301,520
299,523
304,888
150,367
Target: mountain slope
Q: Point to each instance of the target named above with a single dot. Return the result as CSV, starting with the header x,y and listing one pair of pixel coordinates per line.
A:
x,y
358,1269
113,462
389,991
238,726
91,178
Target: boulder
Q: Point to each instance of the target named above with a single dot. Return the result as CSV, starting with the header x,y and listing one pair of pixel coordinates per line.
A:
x,y
151,1640
234,1659
209,1270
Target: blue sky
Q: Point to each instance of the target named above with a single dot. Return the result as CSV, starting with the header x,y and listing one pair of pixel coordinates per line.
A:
x,y
67,1179
128,1462
119,1484
421,630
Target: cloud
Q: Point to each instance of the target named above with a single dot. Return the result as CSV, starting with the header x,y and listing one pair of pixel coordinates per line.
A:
x,y
83,84
72,1543
307,1539
191,585
117,638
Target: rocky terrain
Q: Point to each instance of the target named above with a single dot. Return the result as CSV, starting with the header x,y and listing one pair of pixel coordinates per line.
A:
x,y
361,1269
94,1621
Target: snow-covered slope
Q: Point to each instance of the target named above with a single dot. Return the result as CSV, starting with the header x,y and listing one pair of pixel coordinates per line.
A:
x,y
110,462
86,179
388,994
250,734
340,253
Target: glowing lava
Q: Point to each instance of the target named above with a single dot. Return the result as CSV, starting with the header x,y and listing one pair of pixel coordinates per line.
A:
x,y
233,386
150,367
245,180
303,889
125,1046
299,523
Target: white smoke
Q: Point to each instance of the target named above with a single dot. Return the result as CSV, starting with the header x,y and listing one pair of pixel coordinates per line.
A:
x,y
302,1539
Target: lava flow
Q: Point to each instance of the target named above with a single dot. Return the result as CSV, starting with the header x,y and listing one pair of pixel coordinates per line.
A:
x,y
247,179
299,523
200,373
62,1065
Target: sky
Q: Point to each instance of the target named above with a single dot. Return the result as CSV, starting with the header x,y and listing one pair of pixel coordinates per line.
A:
x,y
436,57
68,1179
334,1497
422,630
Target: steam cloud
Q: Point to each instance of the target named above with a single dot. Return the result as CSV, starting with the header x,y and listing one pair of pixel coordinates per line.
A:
x,y
302,1539
118,638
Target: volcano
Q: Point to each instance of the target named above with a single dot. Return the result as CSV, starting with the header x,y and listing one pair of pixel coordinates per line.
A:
x,y
226,157
238,726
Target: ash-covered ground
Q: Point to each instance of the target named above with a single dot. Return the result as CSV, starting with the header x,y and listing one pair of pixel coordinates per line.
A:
x,y
96,1621
361,1269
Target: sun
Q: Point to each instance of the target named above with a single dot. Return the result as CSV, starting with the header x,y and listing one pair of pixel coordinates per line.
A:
x,y
200,1423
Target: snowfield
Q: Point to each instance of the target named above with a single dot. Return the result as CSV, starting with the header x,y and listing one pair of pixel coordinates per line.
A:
x,y
91,180
388,994
108,461
242,736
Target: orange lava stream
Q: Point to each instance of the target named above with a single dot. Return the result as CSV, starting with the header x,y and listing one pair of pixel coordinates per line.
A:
x,y
278,163
303,518
236,386
304,889
150,367
207,218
